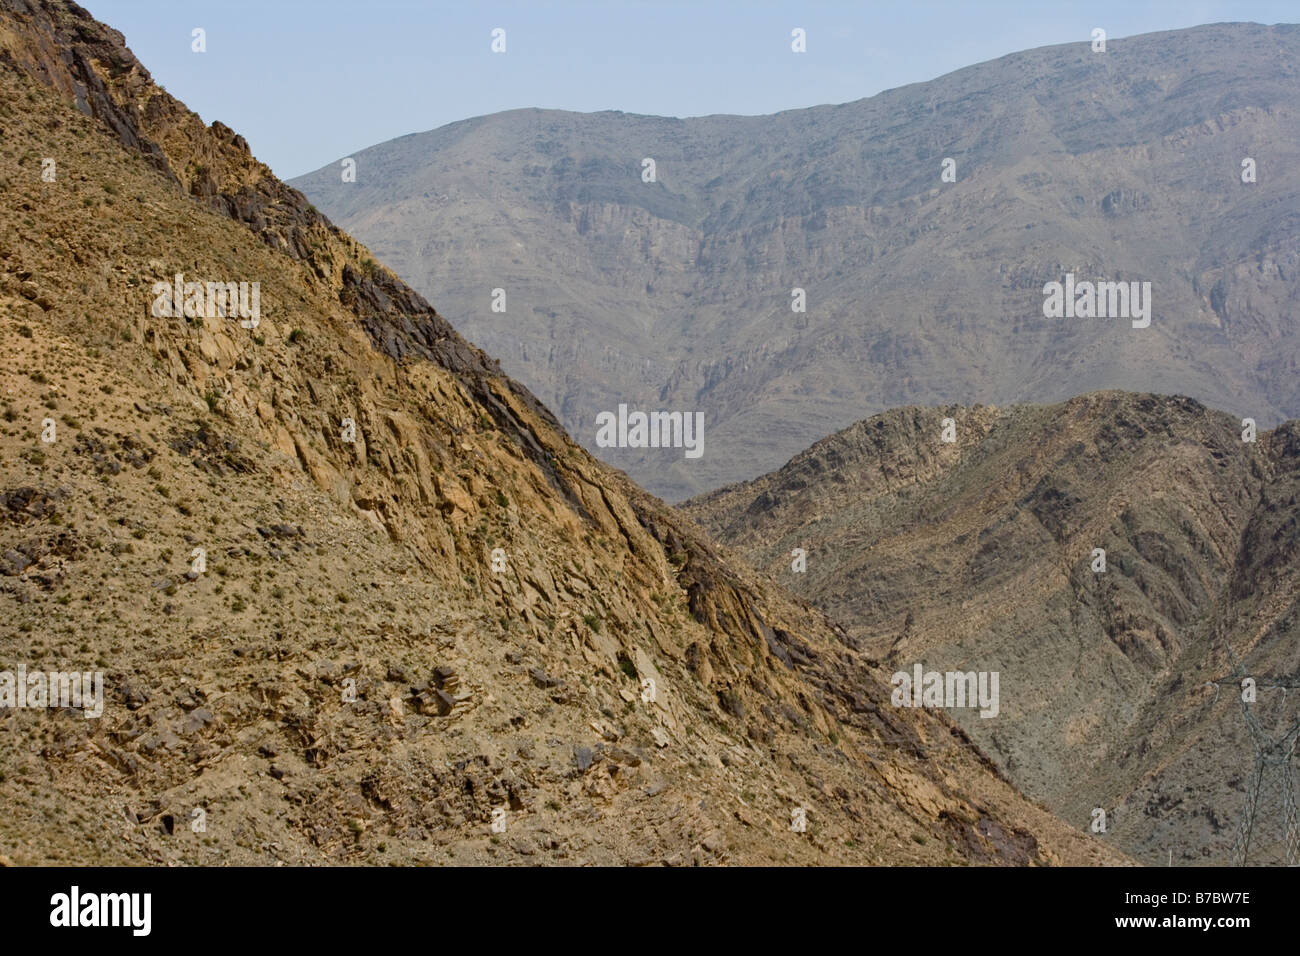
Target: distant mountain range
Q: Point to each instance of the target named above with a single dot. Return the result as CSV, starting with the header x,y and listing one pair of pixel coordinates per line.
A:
x,y
1109,557
676,294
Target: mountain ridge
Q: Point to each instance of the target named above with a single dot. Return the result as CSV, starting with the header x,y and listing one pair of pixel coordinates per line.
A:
x,y
677,294
982,553
374,645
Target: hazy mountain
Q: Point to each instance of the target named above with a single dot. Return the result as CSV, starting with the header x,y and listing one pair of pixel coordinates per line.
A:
x,y
304,632
1123,166
979,555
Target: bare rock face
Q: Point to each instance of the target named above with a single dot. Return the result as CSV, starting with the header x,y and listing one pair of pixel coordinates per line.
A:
x,y
353,594
1109,557
677,294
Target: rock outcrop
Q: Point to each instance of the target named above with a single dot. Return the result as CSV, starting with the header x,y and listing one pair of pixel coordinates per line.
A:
x,y
353,593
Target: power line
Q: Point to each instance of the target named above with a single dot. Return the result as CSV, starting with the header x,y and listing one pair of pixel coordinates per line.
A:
x,y
1272,782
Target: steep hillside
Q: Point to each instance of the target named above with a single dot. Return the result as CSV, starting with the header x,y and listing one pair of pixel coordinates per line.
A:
x,y
980,555
677,294
303,629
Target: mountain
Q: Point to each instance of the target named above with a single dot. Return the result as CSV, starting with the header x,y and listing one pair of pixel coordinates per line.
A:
x,y
677,295
979,554
353,594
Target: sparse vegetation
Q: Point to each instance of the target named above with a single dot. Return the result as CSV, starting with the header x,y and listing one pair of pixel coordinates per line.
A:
x,y
337,683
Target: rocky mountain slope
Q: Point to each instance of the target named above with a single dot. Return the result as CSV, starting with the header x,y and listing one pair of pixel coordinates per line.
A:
x,y
312,649
1123,166
980,555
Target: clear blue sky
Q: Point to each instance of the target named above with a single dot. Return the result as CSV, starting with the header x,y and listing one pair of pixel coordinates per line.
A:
x,y
309,81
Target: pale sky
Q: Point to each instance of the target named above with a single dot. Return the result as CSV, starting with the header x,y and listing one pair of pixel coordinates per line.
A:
x,y
309,81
